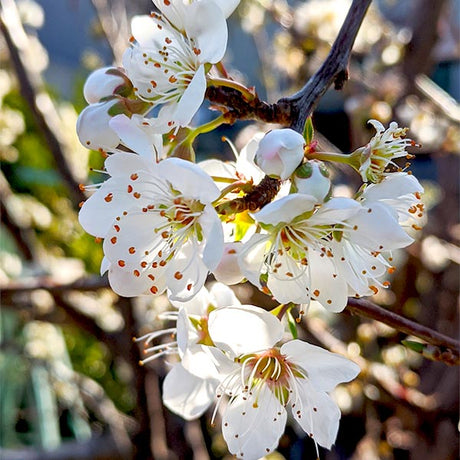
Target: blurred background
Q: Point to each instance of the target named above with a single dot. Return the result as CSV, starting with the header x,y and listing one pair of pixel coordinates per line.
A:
x,y
70,383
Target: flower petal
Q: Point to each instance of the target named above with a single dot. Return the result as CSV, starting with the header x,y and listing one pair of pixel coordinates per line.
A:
x,y
291,282
213,233
149,147
251,258
244,329
285,209
316,413
187,395
325,370
376,228
191,99
186,273
253,424
206,24
327,287
185,176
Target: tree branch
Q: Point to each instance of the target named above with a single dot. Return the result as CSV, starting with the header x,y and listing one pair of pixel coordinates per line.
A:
x,y
29,93
334,69
450,347
294,110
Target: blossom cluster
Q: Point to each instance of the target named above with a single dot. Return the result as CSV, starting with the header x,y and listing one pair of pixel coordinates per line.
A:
x,y
168,223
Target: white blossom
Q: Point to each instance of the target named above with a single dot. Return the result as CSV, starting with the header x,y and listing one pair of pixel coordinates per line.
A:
x,y
161,231
312,178
293,260
267,379
280,152
387,145
106,82
168,57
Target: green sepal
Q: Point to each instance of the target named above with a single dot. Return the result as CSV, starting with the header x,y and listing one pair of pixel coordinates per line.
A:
x,y
276,311
292,324
308,131
414,346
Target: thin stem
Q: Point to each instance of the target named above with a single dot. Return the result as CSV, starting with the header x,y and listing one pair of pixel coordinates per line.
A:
x,y
368,309
247,94
205,128
234,185
360,307
334,69
326,156
29,92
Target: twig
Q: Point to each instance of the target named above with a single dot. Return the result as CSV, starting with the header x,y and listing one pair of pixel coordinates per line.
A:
x,y
334,69
114,22
360,307
92,283
294,110
29,93
142,439
24,237
379,372
370,310
418,56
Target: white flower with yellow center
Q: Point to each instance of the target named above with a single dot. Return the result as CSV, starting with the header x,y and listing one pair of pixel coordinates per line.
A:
x,y
161,231
293,260
267,380
372,160
170,55
190,386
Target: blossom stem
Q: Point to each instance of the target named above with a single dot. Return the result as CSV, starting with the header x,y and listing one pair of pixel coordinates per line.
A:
x,y
240,185
206,128
246,92
326,156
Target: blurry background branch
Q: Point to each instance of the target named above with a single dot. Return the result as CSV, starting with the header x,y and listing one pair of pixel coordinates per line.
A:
x,y
39,101
361,307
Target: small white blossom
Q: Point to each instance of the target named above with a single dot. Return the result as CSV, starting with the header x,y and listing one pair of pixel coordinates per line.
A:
x,y
161,231
228,271
190,386
267,379
93,127
293,260
167,59
387,145
106,82
312,178
280,152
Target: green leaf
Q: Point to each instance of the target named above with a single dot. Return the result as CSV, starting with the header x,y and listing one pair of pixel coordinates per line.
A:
x,y
414,346
292,325
308,131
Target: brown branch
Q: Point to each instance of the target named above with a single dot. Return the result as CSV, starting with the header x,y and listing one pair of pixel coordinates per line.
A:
x,y
418,56
29,93
334,69
294,110
93,283
23,236
142,438
367,309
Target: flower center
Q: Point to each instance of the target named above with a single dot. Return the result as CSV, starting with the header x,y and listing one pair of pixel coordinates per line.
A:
x,y
270,368
171,65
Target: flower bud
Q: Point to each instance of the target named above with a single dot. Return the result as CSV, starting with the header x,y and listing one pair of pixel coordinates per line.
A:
x,y
228,271
93,127
280,152
312,178
106,82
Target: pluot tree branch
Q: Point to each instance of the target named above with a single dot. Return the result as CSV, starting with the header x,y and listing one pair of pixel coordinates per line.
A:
x,y
29,93
449,347
294,110
333,70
